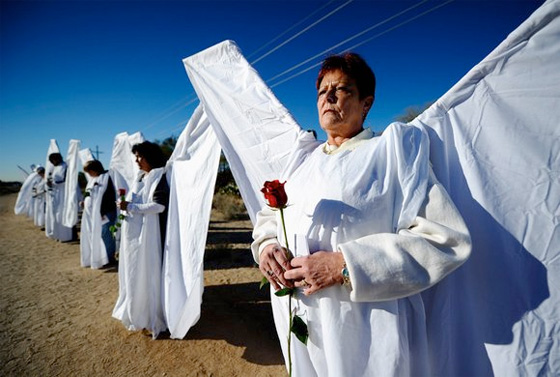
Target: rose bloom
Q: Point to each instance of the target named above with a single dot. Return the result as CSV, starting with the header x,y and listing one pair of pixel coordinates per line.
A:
x,y
274,194
122,192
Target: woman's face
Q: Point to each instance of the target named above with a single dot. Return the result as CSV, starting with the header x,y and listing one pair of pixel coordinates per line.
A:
x,y
142,163
93,173
341,112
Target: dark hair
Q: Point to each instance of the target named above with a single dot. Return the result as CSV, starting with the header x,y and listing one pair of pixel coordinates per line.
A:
x,y
354,66
54,157
94,165
151,152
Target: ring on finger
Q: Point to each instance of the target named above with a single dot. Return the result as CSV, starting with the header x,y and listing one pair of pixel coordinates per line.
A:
x,y
304,283
270,273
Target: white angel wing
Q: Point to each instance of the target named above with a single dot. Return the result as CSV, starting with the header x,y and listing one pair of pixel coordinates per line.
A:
x,y
122,168
495,145
53,148
71,188
192,171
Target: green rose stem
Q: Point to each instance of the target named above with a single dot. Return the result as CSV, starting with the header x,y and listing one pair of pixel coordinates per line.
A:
x,y
289,298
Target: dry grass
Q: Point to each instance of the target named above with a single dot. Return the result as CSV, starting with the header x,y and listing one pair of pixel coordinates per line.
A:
x,y
229,207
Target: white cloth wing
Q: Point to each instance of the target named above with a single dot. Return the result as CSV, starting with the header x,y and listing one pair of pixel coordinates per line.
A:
x,y
495,145
122,168
53,148
255,130
23,201
85,156
192,169
72,190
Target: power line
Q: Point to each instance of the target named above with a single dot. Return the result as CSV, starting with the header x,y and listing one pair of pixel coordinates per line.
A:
x,y
346,41
290,29
301,32
352,47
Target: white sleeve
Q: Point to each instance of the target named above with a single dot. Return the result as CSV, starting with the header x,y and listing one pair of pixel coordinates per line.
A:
x,y
145,208
388,266
264,232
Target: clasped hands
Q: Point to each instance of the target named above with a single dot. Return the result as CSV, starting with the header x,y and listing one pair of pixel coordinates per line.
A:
x,y
311,272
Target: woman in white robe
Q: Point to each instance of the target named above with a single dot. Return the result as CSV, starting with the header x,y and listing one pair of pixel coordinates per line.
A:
x,y
39,198
369,227
139,305
97,245
24,201
56,181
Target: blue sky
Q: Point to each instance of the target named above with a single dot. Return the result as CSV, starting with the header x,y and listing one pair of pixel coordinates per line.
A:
x,y
88,70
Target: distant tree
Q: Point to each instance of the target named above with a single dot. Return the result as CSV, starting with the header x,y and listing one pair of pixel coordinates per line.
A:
x,y
167,145
225,183
412,112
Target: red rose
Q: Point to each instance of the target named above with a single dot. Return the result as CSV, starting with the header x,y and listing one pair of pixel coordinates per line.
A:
x,y
274,194
122,192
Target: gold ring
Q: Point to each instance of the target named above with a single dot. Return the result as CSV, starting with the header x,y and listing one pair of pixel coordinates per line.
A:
x,y
305,283
270,273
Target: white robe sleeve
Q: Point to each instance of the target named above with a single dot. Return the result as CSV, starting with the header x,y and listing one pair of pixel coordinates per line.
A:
x,y
264,232
145,208
388,266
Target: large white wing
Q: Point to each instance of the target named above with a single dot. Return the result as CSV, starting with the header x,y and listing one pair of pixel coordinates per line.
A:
x,y
53,148
71,188
255,130
192,171
122,168
495,145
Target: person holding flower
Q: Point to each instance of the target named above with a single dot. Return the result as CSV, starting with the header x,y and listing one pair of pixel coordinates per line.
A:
x,y
369,228
139,305
54,201
97,245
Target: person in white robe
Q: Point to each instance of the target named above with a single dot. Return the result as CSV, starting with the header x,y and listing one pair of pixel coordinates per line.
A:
x,y
24,201
97,244
369,227
38,198
140,303
56,181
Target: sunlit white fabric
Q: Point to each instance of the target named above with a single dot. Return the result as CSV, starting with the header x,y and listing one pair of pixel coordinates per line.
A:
x,y
85,156
192,170
139,305
494,145
24,201
92,248
123,168
72,192
54,212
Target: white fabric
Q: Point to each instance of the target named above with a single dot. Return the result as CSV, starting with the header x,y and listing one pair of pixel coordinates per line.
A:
x,y
192,169
85,156
494,146
92,248
396,242
251,124
72,192
24,201
38,200
139,305
123,168
53,148
54,212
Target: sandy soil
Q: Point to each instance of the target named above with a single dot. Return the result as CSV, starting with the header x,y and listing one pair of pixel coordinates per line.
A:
x,y
56,316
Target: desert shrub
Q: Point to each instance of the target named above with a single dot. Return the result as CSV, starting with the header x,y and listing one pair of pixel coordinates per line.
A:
x,y
229,206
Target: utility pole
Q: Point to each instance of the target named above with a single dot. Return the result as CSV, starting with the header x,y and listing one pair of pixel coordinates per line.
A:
x,y
97,152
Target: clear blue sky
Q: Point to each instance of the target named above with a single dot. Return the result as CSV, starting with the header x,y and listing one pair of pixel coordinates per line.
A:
x,y
88,70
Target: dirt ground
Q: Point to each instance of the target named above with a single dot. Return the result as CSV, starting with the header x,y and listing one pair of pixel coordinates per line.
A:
x,y
55,317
